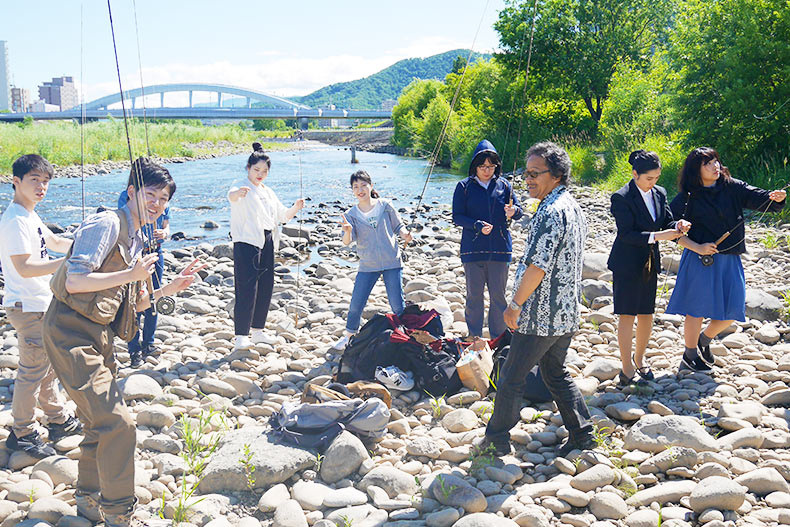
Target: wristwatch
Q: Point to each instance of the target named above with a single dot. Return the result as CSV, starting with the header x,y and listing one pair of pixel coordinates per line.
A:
x,y
514,306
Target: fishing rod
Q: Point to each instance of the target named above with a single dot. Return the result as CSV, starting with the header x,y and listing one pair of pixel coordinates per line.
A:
x,y
137,176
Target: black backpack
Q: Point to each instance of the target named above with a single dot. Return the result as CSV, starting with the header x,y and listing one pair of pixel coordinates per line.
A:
x,y
358,361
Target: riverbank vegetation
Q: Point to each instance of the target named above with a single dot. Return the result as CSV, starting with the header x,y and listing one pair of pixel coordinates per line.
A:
x,y
59,141
610,76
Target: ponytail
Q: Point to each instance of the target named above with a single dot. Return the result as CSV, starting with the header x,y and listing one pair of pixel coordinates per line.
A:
x,y
258,155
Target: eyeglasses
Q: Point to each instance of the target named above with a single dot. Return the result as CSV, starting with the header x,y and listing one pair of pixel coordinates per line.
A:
x,y
534,175
487,167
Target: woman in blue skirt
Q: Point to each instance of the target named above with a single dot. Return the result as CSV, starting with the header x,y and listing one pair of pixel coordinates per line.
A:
x,y
710,282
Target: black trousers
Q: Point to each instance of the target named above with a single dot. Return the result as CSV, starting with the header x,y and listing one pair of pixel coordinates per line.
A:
x,y
253,270
549,352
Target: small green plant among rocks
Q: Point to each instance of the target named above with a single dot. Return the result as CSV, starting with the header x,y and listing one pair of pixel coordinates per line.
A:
x,y
482,458
446,490
786,307
770,240
436,404
346,521
319,459
196,454
249,467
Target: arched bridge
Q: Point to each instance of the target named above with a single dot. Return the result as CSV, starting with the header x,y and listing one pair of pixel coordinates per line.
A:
x,y
220,89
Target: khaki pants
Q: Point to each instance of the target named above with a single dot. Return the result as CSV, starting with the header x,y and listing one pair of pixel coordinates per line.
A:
x,y
35,378
81,352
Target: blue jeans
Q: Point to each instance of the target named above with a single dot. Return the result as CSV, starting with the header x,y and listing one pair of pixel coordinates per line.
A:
x,y
363,285
148,316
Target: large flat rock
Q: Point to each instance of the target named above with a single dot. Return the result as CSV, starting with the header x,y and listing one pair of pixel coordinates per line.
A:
x,y
655,433
273,462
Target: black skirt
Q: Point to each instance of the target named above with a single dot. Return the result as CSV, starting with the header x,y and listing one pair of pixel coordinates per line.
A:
x,y
633,295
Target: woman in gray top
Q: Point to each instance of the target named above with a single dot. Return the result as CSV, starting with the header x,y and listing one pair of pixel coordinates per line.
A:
x,y
374,224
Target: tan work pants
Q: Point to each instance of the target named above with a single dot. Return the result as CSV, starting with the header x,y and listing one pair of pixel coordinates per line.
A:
x,y
35,378
81,352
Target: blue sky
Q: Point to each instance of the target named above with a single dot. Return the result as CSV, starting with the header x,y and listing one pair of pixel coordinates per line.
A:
x,y
284,48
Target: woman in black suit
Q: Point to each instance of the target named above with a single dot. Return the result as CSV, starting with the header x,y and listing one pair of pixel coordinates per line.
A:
x,y
643,218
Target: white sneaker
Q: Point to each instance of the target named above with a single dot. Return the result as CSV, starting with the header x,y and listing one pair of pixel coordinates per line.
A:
x,y
392,377
342,342
259,337
243,342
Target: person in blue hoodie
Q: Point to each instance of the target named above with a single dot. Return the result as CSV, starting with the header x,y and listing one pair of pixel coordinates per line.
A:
x,y
483,204
375,225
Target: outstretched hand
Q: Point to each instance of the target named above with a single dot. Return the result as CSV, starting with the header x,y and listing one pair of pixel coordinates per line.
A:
x,y
683,226
778,195
186,277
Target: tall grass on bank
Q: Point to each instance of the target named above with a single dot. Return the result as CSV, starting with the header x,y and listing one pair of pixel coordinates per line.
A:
x,y
59,141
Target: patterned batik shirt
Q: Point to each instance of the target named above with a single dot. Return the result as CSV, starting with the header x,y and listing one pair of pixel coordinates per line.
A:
x,y
554,244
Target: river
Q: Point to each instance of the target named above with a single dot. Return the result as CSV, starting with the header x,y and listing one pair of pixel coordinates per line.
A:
x,y
203,185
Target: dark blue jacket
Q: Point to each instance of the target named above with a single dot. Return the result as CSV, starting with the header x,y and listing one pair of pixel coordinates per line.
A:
x,y
474,204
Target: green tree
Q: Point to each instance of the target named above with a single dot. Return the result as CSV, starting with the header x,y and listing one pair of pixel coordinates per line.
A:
x,y
639,104
407,114
578,43
733,59
459,64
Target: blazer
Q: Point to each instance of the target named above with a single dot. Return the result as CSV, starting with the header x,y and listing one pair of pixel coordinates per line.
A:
x,y
630,250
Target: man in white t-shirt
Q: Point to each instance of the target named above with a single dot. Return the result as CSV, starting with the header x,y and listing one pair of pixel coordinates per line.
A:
x,y
27,269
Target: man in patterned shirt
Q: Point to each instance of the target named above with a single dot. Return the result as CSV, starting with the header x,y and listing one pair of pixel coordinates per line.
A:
x,y
544,311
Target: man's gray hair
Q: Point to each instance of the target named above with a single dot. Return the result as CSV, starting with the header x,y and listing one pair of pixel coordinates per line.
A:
x,y
556,158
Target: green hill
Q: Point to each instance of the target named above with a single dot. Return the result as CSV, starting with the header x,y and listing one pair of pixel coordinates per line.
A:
x,y
367,93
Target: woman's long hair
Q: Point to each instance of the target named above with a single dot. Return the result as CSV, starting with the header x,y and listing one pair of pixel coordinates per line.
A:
x,y
689,178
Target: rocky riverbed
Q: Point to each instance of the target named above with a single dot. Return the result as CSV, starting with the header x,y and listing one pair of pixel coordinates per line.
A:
x,y
685,450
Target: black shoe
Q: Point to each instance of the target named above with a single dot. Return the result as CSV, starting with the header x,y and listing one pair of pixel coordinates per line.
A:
x,y
623,380
571,444
31,444
71,427
644,372
705,353
151,351
501,447
695,364
135,360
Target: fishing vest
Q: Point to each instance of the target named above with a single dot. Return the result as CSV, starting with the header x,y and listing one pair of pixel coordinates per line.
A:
x,y
114,307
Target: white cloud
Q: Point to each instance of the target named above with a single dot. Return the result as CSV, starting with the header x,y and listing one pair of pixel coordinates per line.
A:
x,y
276,73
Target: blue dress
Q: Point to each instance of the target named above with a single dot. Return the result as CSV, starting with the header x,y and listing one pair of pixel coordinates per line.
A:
x,y
717,291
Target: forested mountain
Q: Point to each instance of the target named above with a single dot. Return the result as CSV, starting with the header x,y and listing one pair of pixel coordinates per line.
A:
x,y
368,93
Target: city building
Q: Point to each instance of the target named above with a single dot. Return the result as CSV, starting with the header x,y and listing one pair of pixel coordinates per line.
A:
x,y
328,123
5,95
60,92
41,106
20,99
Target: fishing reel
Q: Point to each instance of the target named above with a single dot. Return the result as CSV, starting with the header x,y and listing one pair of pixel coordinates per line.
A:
x,y
706,259
166,305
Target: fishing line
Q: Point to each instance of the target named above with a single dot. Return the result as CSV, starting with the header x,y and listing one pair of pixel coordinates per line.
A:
x,y
437,148
137,178
524,91
142,85
298,254
82,107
